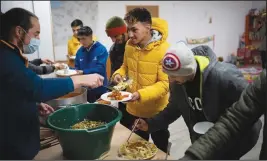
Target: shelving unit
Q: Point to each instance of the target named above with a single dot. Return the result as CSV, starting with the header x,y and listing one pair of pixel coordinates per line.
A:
x,y
249,55
252,34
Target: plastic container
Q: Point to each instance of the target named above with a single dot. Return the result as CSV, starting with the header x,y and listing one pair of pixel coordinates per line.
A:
x,y
84,144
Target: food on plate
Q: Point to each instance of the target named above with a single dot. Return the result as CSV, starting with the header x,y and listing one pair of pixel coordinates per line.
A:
x,y
60,66
116,95
121,86
69,95
66,72
66,69
138,150
87,124
100,101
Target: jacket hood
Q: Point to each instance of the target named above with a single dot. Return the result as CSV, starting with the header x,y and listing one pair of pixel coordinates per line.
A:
x,y
159,34
160,25
204,50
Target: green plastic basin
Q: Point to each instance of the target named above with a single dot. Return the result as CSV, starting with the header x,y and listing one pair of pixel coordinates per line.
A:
x,y
84,144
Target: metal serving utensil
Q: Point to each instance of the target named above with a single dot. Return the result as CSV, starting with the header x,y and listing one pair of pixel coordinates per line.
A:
x,y
168,150
133,129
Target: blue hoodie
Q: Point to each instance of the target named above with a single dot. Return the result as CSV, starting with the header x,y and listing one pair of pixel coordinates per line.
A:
x,y
20,90
93,60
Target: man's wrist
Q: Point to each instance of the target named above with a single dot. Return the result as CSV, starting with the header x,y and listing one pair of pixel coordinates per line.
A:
x,y
76,82
114,75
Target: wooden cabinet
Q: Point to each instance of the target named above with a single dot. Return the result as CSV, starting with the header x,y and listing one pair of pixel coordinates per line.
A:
x,y
154,10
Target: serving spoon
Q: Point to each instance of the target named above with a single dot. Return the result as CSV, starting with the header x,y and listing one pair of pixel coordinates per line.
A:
x,y
133,129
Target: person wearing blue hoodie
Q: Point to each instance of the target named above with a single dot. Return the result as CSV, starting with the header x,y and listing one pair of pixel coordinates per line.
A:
x,y
91,58
22,90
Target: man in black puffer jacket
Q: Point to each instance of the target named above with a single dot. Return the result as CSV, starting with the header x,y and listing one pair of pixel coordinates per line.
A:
x,y
237,121
201,89
116,29
35,65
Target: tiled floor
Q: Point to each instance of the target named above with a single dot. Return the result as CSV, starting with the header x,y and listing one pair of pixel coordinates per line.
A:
x,y
180,141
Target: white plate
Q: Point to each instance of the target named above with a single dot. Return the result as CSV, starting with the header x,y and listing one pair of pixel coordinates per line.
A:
x,y
62,73
105,97
114,104
72,57
202,127
57,64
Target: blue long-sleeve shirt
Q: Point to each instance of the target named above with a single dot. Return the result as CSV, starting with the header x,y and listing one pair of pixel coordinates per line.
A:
x,y
93,60
20,90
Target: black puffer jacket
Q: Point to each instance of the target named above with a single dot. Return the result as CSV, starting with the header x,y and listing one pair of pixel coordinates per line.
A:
x,y
222,85
34,65
237,120
116,54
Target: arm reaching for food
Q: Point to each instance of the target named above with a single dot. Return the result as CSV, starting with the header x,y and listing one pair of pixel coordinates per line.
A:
x,y
235,121
118,75
168,115
38,89
45,109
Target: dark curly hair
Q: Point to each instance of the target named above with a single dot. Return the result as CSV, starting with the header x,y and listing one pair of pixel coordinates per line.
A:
x,y
15,17
138,15
76,23
85,31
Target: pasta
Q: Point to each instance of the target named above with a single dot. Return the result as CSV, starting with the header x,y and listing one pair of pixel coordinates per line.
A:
x,y
138,150
87,124
123,85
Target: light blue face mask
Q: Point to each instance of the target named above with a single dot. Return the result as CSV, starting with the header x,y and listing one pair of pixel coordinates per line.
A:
x,y
32,46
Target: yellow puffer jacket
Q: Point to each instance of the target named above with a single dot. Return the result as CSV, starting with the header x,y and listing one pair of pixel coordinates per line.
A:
x,y
145,68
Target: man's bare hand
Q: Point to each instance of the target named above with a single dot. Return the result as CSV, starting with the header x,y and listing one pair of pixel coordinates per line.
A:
x,y
90,80
45,109
117,79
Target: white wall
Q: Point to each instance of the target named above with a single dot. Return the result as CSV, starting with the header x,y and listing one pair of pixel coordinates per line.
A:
x,y
42,10
63,13
185,18
28,5
188,19
258,4
228,22
118,8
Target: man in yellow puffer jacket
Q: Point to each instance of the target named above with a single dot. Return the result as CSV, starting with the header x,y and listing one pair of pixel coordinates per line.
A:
x,y
142,63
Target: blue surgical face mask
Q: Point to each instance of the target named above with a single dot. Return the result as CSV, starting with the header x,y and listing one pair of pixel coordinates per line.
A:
x,y
32,46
